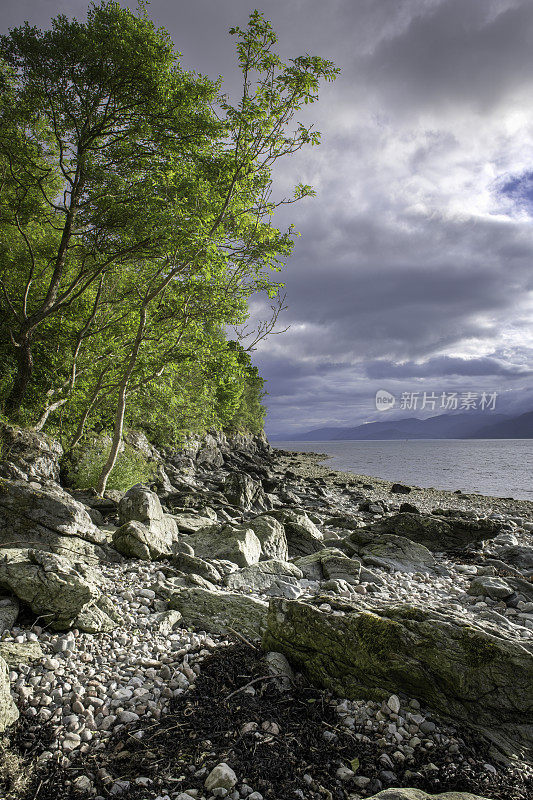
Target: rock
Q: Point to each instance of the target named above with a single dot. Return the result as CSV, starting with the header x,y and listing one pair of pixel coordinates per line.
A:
x,y
243,492
134,540
235,543
48,519
27,455
278,666
399,488
221,777
418,794
15,653
191,523
329,564
51,585
271,534
394,552
9,609
8,710
218,612
486,586
193,564
517,556
303,537
141,505
164,621
459,670
437,532
260,577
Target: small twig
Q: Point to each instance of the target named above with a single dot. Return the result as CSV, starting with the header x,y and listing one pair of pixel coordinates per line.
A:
x,y
242,638
38,790
255,680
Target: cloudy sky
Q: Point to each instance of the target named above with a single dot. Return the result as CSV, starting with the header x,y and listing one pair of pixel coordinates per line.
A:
x,y
414,270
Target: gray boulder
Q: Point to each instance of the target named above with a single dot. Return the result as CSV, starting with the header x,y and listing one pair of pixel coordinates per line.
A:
x,y
9,609
271,534
27,455
518,556
56,589
397,553
244,492
15,653
235,543
459,670
145,531
48,519
220,612
438,533
191,523
260,577
303,537
8,710
487,586
193,564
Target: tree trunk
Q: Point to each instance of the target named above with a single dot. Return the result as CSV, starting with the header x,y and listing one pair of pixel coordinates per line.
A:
x,y
23,377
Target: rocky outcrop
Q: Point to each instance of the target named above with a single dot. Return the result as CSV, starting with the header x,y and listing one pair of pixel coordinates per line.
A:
x,y
235,543
244,492
220,612
27,455
48,519
303,536
438,532
62,593
8,710
459,670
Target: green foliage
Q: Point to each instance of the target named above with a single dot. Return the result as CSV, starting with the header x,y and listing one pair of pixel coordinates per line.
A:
x,y
136,221
85,465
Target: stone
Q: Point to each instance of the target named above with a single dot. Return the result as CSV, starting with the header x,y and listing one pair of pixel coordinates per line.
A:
x,y
235,543
54,587
518,556
438,533
459,670
8,710
9,609
329,564
303,537
220,777
279,667
242,491
27,455
193,564
156,535
191,523
487,586
219,612
48,519
260,577
394,552
399,488
15,653
271,534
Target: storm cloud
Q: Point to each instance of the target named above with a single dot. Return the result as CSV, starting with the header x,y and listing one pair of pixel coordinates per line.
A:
x,y
413,271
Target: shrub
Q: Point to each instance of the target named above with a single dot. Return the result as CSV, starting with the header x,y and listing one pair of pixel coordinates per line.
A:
x,y
86,464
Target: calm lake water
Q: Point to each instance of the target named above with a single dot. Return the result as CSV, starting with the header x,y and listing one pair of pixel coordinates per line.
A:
x,y
497,467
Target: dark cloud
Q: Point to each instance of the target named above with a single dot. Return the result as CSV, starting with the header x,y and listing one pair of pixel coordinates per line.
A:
x,y
413,271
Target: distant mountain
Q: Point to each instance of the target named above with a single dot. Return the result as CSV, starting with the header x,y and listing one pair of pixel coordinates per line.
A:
x,y
471,425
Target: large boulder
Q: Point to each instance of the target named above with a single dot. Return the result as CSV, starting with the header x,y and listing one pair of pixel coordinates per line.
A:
x,y
260,577
244,492
27,455
48,519
271,534
303,536
459,670
8,710
235,543
221,612
57,590
196,566
145,532
438,532
518,556
394,552
191,523
330,564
